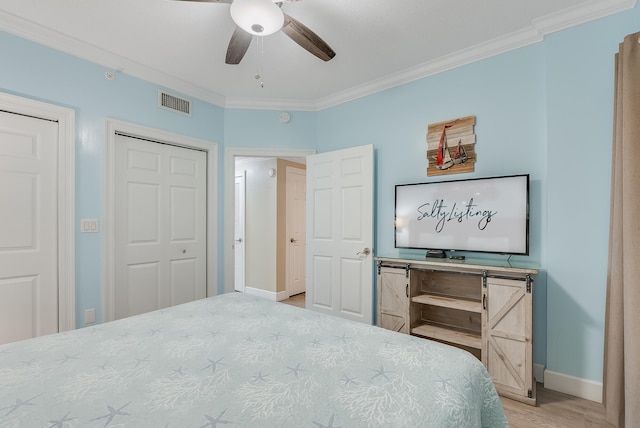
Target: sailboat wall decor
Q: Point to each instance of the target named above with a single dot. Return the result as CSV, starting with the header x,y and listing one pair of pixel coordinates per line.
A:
x,y
451,146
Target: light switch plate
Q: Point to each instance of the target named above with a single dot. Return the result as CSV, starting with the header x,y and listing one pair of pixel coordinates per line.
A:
x,y
89,225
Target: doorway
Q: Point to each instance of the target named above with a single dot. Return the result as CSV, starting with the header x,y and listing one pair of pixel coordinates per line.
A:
x,y
269,221
231,156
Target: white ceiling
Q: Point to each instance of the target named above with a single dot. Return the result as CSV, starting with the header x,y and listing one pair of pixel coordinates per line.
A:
x,y
379,44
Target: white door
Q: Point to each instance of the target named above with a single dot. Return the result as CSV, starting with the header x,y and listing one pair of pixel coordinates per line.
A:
x,y
28,227
340,233
296,194
160,225
239,228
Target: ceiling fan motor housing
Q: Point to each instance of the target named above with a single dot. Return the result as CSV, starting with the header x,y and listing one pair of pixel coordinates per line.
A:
x,y
257,17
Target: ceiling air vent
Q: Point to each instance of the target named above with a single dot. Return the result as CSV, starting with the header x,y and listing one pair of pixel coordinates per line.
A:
x,y
173,103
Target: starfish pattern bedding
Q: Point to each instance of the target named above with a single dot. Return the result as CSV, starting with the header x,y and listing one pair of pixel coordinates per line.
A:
x,y
239,361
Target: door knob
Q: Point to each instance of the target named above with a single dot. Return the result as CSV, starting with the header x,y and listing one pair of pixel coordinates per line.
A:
x,y
293,240
239,240
364,253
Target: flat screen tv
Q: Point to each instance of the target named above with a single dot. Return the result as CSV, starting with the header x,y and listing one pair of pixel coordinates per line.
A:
x,y
482,215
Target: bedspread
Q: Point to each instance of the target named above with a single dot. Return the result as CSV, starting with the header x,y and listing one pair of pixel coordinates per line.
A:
x,y
240,361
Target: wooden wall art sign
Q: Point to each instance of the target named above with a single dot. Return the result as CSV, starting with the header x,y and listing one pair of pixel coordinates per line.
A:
x,y
451,146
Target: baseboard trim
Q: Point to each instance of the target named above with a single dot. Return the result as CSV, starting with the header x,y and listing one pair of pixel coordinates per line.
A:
x,y
582,388
269,295
538,372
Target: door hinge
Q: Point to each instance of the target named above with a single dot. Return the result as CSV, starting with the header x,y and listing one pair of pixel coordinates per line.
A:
x,y
379,266
406,271
529,283
530,393
484,279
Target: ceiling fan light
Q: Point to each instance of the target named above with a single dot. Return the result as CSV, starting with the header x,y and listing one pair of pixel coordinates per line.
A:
x,y
258,17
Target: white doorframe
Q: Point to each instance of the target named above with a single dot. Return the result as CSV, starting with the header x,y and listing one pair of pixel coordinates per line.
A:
x,y
211,150
66,197
229,187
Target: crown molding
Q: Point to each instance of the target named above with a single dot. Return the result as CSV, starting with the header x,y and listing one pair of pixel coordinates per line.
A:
x,y
535,33
454,60
270,104
580,15
78,48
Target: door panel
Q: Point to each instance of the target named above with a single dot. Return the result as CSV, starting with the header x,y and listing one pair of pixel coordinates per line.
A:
x,y
28,227
183,224
351,299
19,316
340,233
184,283
321,297
144,207
142,293
160,227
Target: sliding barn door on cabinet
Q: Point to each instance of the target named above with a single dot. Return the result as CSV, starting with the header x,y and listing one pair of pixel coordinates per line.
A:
x,y
393,299
507,338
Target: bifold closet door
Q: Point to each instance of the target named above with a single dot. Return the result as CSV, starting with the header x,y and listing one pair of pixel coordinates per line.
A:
x,y
160,225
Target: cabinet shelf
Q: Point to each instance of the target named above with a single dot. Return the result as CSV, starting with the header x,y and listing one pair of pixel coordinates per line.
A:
x,y
448,334
448,302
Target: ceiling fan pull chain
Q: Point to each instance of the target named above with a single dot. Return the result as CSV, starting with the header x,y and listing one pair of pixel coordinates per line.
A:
x,y
260,54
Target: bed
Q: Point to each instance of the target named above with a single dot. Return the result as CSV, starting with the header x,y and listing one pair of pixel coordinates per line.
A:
x,y
240,361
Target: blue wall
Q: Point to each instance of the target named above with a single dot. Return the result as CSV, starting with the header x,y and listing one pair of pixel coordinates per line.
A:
x,y
33,71
545,109
262,128
580,78
505,93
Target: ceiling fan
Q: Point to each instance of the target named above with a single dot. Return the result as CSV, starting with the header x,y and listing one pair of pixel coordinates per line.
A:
x,y
248,15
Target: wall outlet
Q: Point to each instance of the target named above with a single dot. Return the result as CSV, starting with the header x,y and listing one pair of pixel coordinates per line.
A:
x,y
89,316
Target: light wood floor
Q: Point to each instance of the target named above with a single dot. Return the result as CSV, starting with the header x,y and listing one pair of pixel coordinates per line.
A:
x,y
554,409
297,300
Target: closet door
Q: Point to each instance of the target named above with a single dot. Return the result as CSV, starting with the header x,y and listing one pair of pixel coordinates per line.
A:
x,y
28,227
160,226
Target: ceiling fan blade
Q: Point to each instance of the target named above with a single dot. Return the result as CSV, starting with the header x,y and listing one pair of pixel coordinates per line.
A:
x,y
238,45
306,38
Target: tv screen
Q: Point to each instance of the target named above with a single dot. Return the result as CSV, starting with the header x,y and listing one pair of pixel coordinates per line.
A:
x,y
483,214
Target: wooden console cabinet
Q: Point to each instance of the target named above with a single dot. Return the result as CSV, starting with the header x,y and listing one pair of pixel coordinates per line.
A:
x,y
481,306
